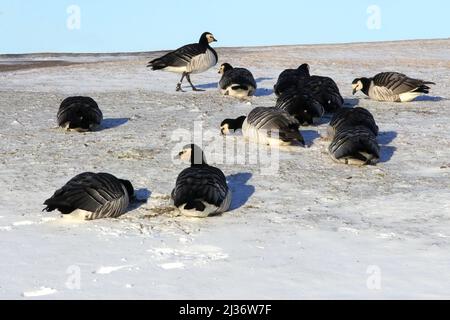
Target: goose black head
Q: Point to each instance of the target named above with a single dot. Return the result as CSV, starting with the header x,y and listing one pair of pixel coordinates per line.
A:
x,y
129,187
207,38
362,84
304,69
231,124
192,153
225,67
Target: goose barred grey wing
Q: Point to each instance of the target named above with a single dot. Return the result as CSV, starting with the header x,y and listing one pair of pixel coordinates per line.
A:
x,y
178,58
199,184
288,79
324,90
101,194
274,120
355,145
398,83
347,117
237,76
301,105
79,113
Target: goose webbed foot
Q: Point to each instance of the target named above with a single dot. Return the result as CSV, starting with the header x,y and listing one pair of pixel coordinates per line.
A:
x,y
179,89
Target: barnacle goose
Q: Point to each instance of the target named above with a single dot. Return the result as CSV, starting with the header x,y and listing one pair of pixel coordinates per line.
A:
x,y
324,90
92,196
346,117
301,105
354,133
79,114
192,58
201,190
271,126
289,78
236,82
391,87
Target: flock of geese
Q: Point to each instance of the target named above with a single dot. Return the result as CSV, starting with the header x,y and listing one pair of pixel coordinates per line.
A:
x,y
201,190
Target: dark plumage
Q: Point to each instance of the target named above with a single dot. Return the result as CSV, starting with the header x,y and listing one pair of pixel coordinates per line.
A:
x,y
200,190
324,90
301,105
238,82
355,145
354,137
191,58
289,78
100,194
348,117
79,114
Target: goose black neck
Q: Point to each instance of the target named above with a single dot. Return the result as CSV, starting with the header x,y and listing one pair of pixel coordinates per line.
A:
x,y
239,122
366,85
204,41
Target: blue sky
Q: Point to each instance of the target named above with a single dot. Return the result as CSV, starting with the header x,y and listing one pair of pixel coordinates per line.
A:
x,y
143,25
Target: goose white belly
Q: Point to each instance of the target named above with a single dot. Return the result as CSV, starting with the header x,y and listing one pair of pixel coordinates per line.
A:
x,y
239,93
176,69
78,215
209,208
409,96
202,62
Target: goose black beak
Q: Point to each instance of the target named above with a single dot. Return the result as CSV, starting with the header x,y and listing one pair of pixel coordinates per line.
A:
x,y
178,157
354,91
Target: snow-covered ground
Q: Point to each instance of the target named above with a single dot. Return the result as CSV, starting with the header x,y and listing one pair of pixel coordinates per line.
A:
x,y
314,230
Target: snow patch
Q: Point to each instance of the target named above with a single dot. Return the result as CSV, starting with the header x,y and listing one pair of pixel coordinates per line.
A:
x,y
108,270
172,266
43,291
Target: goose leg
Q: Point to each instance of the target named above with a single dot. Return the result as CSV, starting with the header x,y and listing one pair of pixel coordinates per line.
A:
x,y
188,77
181,81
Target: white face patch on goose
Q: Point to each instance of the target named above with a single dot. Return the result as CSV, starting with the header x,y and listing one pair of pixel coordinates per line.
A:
x,y
185,155
357,86
221,70
210,38
225,129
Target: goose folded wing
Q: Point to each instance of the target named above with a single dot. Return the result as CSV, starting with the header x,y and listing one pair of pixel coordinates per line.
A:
x,y
207,184
237,76
397,83
183,55
87,192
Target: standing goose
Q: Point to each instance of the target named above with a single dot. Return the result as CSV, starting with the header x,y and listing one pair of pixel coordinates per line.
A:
x,y
271,126
289,78
348,117
201,190
391,87
92,196
192,58
236,82
301,105
79,114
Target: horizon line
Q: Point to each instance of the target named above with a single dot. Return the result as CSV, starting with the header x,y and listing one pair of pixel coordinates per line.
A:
x,y
6,55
